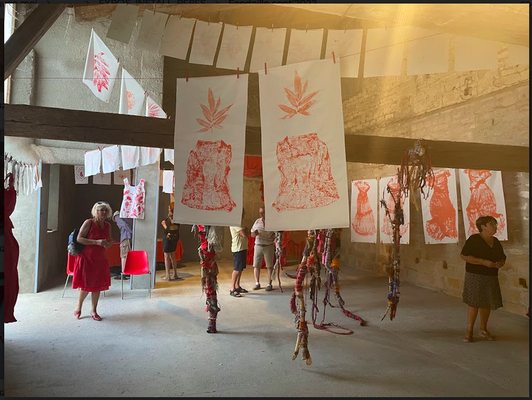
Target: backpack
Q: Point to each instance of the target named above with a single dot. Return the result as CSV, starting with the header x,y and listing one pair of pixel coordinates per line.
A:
x,y
74,248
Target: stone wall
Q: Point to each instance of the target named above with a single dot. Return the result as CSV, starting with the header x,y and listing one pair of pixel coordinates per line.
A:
x,y
490,106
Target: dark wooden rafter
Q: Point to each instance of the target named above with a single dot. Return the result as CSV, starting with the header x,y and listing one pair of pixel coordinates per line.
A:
x,y
92,127
28,34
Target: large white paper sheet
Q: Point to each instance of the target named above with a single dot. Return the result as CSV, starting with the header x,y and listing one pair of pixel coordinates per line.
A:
x,y
440,208
471,54
110,159
364,211
385,226
93,162
234,47
130,157
205,42
209,142
482,195
176,37
304,45
131,95
428,51
303,147
346,45
151,31
101,68
268,48
518,55
123,22
384,52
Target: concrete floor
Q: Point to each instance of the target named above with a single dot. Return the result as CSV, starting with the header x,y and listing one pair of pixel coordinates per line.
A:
x,y
159,347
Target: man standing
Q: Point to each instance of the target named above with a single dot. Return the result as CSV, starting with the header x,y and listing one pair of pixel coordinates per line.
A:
x,y
239,246
125,225
263,249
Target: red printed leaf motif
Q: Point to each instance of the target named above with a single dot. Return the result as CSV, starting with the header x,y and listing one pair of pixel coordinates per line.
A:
x,y
213,116
300,103
100,73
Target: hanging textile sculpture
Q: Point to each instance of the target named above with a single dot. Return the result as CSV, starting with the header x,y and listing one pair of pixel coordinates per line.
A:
x,y
210,242
415,171
11,251
280,258
328,243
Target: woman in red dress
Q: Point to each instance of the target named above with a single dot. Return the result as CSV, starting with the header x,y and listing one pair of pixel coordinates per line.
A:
x,y
91,269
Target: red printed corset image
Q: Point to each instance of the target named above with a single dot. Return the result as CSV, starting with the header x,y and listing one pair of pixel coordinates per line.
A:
x,y
482,201
443,221
364,223
306,178
206,187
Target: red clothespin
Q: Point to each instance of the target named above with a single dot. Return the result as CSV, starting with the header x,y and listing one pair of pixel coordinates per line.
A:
x,y
265,69
186,76
146,93
334,58
237,72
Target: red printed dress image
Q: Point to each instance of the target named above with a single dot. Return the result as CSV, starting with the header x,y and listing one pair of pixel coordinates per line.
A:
x,y
386,229
364,223
133,201
439,209
482,195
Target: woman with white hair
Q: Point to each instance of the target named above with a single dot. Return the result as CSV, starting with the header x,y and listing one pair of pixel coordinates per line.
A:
x,y
91,269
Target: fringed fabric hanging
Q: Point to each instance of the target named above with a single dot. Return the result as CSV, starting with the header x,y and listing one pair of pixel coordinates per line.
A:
x,y
209,243
26,177
415,171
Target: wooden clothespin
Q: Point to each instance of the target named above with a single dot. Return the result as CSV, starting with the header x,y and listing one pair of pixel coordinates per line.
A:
x,y
186,76
237,72
265,69
334,58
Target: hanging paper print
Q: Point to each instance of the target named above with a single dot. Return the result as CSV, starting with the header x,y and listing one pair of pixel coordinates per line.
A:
x,y
93,162
149,155
131,95
101,179
169,155
168,181
110,159
209,149
268,48
176,37
303,147
346,45
130,157
364,202
482,195
123,22
79,175
385,225
234,48
205,42
153,109
101,68
440,208
304,45
151,30
120,175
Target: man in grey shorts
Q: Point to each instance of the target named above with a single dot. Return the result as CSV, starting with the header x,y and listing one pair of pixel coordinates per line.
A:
x,y
264,248
125,225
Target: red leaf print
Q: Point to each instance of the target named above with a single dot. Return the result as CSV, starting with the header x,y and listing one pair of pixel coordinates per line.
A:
x,y
130,100
100,73
212,115
153,110
297,99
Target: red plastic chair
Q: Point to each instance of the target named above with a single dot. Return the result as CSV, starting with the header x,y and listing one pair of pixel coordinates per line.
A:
x,y
69,270
136,264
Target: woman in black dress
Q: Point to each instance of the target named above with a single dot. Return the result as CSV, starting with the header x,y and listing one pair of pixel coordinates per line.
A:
x,y
484,256
170,239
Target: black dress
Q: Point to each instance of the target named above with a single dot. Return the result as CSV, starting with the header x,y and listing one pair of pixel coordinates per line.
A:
x,y
481,284
171,236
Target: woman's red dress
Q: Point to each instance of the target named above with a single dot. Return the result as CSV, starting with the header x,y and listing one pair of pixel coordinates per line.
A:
x,y
91,269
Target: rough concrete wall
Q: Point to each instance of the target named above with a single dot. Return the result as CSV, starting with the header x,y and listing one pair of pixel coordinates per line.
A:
x,y
494,109
450,106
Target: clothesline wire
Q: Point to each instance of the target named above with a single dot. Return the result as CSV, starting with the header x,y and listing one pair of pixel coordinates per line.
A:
x,y
344,56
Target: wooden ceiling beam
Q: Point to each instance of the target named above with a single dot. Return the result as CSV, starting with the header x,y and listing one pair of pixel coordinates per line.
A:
x,y
92,127
26,36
